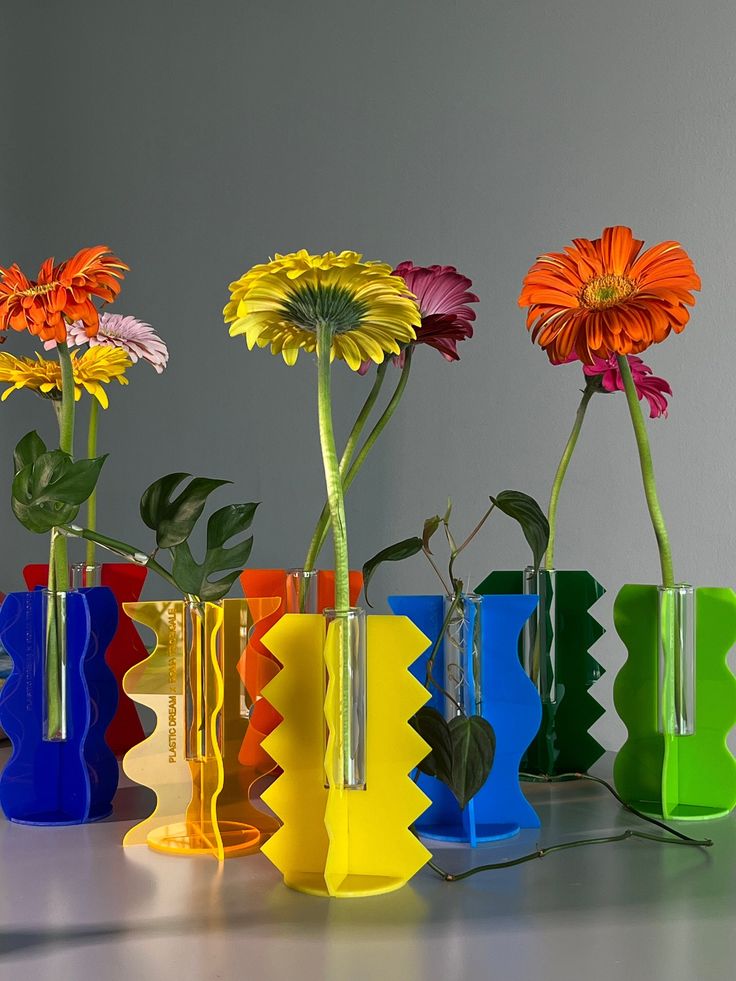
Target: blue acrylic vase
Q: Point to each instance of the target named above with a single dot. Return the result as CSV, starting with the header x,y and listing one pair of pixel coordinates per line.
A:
x,y
68,775
500,691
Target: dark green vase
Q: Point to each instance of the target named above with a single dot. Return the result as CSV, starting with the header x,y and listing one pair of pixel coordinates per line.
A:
x,y
555,652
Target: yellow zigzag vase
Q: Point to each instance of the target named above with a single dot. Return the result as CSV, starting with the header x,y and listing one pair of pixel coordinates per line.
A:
x,y
190,760
335,842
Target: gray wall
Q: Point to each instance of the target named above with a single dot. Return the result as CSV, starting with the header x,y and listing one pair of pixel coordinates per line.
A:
x,y
197,138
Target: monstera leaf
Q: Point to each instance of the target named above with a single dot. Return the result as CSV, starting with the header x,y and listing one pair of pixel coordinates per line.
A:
x,y
49,487
174,520
195,577
462,751
28,450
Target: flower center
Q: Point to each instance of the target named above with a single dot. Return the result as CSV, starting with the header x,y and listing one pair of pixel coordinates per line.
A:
x,y
41,289
606,291
309,305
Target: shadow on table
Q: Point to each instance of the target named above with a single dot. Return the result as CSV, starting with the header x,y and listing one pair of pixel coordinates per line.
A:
x,y
246,897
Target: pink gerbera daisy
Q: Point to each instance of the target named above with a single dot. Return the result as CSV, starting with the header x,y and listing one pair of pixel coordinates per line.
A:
x,y
648,386
138,339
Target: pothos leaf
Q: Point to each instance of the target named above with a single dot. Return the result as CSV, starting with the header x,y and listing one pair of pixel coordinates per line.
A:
x,y
462,751
473,750
393,553
430,527
433,729
530,516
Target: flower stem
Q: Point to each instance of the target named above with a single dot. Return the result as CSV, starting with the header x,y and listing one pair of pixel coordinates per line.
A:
x,y
341,777
91,454
58,567
588,392
318,537
647,472
335,495
358,462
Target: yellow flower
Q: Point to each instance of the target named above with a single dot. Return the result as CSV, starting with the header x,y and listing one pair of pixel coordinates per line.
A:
x,y
370,312
96,367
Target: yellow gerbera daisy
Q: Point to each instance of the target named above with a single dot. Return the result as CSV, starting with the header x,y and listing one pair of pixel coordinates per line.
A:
x,y
370,313
96,367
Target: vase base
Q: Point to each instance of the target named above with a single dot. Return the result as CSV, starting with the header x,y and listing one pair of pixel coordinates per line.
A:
x,y
681,812
483,832
58,820
351,887
186,838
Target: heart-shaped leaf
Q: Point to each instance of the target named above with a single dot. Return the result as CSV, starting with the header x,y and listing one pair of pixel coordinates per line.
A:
x,y
48,492
195,577
432,727
393,553
473,749
530,516
174,520
28,450
430,527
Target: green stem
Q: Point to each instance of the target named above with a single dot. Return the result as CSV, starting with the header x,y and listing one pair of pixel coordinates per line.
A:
x,y
94,412
647,472
119,548
342,778
354,468
676,837
589,391
333,482
58,567
318,537
66,444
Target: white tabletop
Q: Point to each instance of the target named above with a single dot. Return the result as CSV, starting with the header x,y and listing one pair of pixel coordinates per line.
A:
x,y
75,905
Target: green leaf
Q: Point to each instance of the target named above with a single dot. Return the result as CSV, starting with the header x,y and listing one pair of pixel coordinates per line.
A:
x,y
28,450
530,516
432,727
473,749
393,553
49,491
430,527
229,521
196,577
174,520
72,484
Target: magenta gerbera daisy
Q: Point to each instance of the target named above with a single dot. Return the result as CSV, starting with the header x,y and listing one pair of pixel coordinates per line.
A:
x,y
648,385
138,339
443,296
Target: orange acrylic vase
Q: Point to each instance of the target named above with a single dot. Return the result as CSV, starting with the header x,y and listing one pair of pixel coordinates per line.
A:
x,y
193,760
259,666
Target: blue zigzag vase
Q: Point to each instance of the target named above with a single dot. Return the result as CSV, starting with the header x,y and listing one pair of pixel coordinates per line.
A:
x,y
500,691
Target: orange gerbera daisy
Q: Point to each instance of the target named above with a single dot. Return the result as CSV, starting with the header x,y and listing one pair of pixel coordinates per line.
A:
x,y
61,293
602,297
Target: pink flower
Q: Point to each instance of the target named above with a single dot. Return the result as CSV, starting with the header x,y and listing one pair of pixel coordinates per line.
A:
x,y
137,339
443,297
648,385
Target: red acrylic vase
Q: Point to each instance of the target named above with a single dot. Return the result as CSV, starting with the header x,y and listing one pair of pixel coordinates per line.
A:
x,y
126,647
